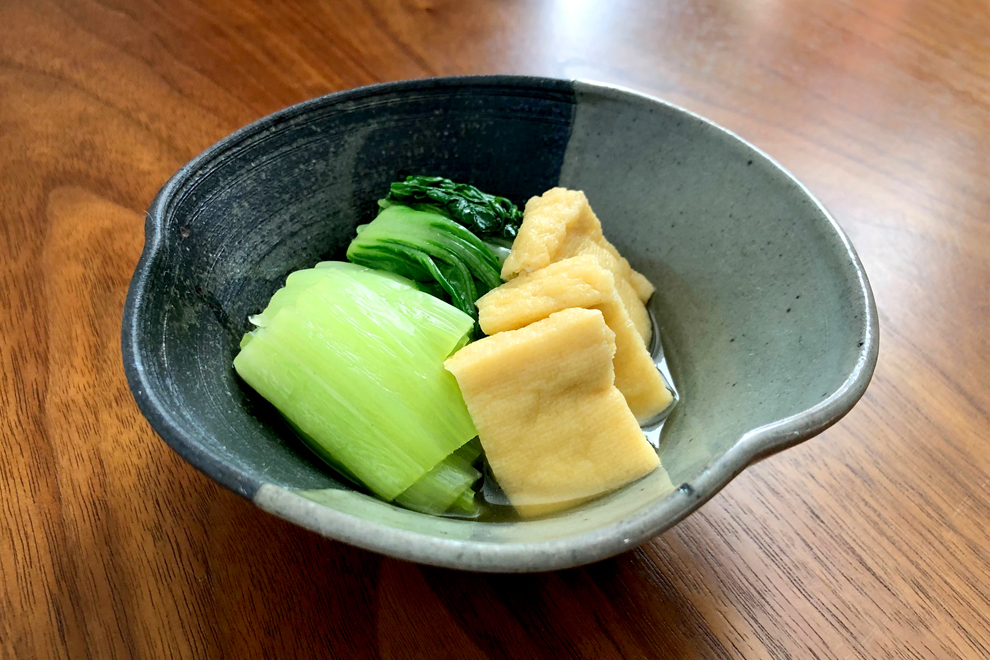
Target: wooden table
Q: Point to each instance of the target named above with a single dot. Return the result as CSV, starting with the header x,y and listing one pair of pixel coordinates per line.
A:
x,y
871,541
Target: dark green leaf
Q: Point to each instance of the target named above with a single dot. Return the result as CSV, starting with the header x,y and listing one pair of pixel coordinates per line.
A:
x,y
485,215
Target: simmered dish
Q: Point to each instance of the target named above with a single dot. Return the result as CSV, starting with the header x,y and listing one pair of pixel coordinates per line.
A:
x,y
465,338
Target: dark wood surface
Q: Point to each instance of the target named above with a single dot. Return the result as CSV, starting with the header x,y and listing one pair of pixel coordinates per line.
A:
x,y
870,541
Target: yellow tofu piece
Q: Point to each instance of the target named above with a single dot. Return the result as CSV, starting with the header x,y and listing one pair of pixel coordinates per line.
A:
x,y
619,267
576,282
560,224
643,287
555,429
581,281
554,225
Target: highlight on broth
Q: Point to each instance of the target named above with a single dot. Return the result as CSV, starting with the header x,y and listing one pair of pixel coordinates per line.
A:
x,y
468,359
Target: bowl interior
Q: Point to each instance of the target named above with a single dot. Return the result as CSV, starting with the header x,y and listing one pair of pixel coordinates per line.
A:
x,y
762,307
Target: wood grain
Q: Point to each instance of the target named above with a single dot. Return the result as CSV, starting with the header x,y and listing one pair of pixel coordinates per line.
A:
x,y
871,541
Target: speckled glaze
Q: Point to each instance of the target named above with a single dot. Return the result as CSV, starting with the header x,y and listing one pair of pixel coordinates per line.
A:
x,y
767,318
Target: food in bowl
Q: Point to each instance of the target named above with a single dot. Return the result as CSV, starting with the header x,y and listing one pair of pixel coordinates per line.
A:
x,y
468,356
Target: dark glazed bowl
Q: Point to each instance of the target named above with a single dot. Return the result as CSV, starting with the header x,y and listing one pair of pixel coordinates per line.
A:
x,y
767,318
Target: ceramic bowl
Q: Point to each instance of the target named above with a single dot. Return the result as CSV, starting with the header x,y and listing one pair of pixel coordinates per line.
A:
x,y
767,319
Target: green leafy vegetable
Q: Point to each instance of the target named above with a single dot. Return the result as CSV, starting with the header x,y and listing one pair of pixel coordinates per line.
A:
x,y
471,452
431,249
353,358
485,215
442,488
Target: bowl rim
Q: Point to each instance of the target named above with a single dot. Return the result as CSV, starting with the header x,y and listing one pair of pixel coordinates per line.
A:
x,y
563,552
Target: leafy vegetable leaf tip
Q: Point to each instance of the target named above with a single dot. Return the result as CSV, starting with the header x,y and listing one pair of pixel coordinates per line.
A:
x,y
485,215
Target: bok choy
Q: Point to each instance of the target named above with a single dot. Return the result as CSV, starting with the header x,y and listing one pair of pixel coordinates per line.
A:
x,y
487,216
440,254
353,358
